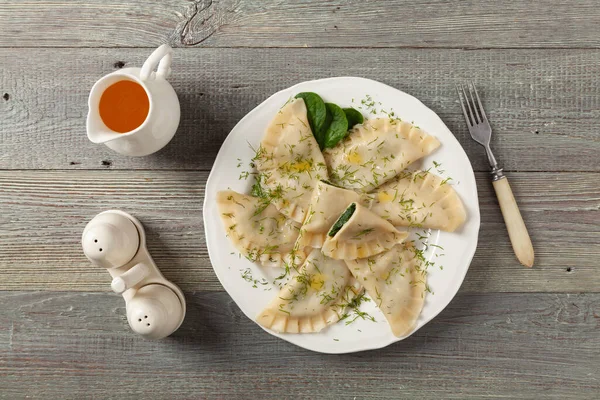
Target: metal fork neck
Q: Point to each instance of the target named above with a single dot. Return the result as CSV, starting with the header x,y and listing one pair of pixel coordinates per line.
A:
x,y
497,172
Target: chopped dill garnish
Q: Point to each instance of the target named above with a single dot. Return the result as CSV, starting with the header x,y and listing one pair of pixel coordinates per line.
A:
x,y
244,175
353,310
247,276
363,233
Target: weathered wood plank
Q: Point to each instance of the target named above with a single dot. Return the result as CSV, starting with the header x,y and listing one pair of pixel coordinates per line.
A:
x,y
44,212
83,23
543,104
315,23
516,346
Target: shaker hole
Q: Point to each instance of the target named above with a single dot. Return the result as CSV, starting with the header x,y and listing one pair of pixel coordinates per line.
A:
x,y
139,320
147,324
100,249
95,240
145,316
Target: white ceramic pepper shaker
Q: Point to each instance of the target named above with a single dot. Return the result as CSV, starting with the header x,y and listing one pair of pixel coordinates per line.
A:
x,y
116,241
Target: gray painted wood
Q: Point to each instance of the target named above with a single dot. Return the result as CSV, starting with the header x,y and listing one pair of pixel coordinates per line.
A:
x,y
543,104
540,88
314,23
514,346
44,213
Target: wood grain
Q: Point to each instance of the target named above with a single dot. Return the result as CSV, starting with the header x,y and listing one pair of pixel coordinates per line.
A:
x,y
514,346
536,65
543,104
81,23
314,23
44,213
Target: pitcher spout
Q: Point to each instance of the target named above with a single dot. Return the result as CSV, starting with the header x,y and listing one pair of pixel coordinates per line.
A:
x,y
98,132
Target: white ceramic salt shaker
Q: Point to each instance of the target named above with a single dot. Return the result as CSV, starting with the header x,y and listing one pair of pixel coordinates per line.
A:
x,y
116,241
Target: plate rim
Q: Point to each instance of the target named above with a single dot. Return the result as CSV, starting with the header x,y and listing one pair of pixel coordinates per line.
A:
x,y
469,251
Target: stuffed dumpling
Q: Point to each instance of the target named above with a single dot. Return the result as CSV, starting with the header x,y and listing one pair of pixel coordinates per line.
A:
x,y
289,161
375,152
328,202
313,298
258,230
360,233
397,284
419,199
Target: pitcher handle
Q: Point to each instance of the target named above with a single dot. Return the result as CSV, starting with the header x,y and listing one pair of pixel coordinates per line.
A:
x,y
161,57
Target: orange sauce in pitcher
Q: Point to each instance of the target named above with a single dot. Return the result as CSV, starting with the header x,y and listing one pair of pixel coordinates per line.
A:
x,y
124,106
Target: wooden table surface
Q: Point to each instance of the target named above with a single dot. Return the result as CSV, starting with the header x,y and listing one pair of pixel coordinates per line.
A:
x,y
511,332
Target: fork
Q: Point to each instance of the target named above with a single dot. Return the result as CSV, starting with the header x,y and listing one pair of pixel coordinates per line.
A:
x,y
481,132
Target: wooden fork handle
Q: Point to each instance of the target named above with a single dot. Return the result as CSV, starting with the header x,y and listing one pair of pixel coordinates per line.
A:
x,y
517,231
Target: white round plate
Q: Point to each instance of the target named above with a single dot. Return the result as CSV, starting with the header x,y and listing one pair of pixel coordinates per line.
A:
x,y
459,247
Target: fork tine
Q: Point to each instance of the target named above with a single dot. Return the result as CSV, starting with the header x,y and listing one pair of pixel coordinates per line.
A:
x,y
469,105
462,104
479,102
469,85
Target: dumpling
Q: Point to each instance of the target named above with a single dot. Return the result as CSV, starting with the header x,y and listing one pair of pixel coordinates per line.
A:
x,y
258,230
290,161
359,233
313,299
326,205
397,284
375,152
419,199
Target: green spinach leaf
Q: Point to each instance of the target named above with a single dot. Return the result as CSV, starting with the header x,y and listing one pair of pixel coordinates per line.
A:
x,y
353,116
317,115
341,221
338,129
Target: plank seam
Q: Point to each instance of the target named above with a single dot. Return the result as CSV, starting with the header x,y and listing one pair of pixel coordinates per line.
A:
x,y
315,47
208,170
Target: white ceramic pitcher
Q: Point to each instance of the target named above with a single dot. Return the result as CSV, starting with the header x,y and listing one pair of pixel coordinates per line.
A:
x,y
163,115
